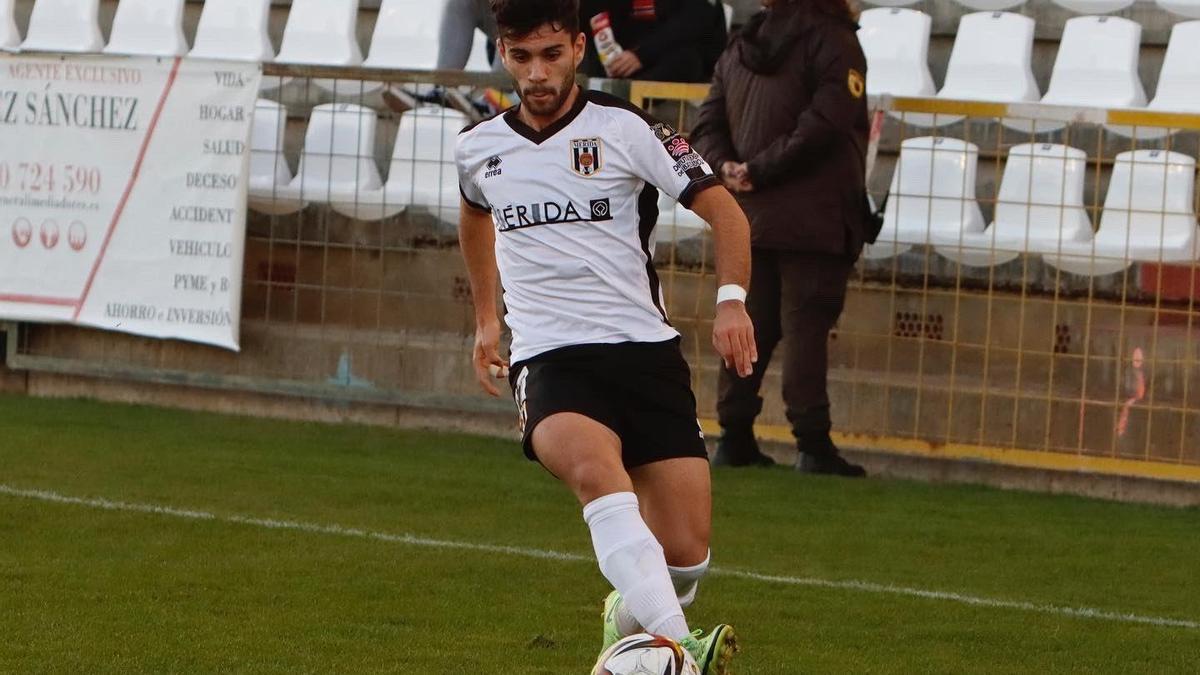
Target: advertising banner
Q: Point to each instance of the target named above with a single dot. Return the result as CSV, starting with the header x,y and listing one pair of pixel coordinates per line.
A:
x,y
123,193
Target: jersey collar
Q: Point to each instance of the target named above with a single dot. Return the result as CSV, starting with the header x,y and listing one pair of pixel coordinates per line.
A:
x,y
539,137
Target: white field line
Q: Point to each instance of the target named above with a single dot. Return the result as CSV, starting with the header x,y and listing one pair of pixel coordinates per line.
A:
x,y
412,540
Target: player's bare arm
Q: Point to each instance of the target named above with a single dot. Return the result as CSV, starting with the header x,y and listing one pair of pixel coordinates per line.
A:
x,y
477,237
733,333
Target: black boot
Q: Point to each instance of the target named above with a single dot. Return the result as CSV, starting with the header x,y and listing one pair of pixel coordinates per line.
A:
x,y
821,456
738,447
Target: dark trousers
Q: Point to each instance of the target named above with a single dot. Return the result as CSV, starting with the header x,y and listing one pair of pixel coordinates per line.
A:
x,y
795,298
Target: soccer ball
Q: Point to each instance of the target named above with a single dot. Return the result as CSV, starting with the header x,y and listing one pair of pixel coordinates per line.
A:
x,y
645,654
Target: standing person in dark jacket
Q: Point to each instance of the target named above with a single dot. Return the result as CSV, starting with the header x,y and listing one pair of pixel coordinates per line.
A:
x,y
786,126
662,40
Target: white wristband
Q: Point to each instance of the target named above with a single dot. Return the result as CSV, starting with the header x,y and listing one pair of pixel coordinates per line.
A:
x,y
731,292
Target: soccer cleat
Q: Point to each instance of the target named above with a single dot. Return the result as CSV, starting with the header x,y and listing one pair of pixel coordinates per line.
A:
x,y
608,615
712,653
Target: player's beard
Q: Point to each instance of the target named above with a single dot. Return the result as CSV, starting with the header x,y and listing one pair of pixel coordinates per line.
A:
x,y
551,105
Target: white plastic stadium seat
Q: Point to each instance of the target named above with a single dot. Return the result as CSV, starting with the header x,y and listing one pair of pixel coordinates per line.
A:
x,y
269,172
478,61
992,60
932,196
991,5
405,37
148,28
896,44
1179,82
323,32
892,3
10,37
1185,8
1093,6
1039,207
338,160
422,173
64,26
1097,66
406,34
1148,216
234,30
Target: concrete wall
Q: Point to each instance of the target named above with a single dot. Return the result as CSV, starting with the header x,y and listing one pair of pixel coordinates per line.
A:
x,y
384,308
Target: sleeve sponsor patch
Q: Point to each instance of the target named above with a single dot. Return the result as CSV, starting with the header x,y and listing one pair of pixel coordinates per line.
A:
x,y
686,159
678,147
687,164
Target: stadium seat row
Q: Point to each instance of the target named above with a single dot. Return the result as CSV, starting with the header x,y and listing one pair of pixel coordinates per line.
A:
x,y
337,166
320,32
1148,211
992,60
1186,8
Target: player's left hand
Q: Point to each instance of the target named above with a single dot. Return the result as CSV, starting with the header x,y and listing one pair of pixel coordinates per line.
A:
x,y
625,64
733,336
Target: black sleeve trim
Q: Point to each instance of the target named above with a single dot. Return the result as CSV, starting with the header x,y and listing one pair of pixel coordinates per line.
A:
x,y
696,187
467,200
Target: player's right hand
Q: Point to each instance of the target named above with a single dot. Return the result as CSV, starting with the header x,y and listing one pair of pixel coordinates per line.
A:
x,y
487,356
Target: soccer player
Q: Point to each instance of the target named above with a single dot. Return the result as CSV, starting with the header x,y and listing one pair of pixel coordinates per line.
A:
x,y
560,197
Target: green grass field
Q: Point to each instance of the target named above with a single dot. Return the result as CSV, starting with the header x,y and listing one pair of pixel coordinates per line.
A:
x,y
323,549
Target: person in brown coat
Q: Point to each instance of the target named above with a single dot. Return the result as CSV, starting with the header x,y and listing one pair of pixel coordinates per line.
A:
x,y
786,125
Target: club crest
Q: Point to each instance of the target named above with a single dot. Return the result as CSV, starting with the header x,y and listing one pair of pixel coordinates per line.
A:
x,y
586,157
662,131
856,83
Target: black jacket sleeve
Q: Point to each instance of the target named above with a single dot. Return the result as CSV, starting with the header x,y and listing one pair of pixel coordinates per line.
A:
x,y
684,24
712,135
838,72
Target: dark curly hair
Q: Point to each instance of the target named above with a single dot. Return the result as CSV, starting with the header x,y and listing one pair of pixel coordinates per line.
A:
x,y
518,18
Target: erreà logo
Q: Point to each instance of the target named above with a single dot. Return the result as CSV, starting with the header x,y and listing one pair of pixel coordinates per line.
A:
x,y
493,167
517,216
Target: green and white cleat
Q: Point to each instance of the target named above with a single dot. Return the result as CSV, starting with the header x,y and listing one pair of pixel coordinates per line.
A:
x,y
609,616
714,651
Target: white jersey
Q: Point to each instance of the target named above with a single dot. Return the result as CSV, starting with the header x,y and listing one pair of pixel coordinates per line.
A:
x,y
575,207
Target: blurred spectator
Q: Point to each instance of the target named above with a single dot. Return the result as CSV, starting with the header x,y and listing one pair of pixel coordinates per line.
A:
x,y
662,40
457,34
786,126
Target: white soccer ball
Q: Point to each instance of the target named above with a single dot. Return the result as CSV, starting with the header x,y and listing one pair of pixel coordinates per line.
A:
x,y
645,654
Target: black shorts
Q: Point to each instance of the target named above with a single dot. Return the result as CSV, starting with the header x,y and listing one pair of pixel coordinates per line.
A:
x,y
640,390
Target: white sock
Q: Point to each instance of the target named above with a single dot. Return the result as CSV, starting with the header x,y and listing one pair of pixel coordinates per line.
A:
x,y
626,624
632,561
686,581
